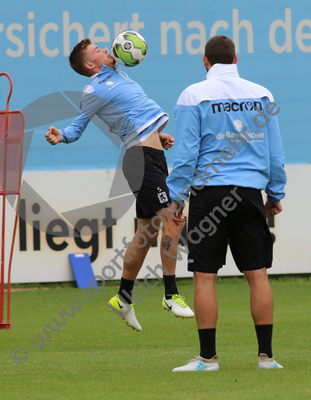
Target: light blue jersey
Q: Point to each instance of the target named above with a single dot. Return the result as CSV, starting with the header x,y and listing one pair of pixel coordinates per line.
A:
x,y
122,104
222,140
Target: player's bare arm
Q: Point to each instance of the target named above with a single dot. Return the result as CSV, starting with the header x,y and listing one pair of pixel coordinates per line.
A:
x,y
167,140
53,135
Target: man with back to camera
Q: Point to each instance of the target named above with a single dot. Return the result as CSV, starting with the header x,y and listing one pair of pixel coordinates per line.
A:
x,y
226,152
138,121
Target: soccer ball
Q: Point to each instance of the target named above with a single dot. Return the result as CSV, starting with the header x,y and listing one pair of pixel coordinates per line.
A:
x,y
129,48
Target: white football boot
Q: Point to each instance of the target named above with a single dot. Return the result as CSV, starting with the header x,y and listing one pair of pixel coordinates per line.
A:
x,y
199,364
125,311
264,362
178,306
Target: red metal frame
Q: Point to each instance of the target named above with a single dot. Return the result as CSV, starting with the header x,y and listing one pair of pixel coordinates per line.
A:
x,y
7,140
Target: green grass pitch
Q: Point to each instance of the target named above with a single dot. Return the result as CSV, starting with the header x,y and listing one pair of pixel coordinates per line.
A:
x,y
96,356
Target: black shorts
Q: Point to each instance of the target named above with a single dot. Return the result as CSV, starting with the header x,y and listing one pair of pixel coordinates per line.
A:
x,y
146,171
219,215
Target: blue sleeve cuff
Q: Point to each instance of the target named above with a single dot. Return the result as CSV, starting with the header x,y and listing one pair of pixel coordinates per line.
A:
x,y
273,199
178,201
64,139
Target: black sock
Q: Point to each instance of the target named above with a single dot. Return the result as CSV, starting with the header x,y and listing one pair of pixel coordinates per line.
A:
x,y
264,337
207,342
125,290
170,286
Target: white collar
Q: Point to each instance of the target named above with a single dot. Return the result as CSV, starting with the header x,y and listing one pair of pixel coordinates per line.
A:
x,y
218,70
93,77
104,67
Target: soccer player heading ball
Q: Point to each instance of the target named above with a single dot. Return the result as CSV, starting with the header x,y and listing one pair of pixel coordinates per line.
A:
x,y
139,122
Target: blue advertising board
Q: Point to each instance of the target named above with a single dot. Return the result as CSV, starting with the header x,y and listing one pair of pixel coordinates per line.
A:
x,y
273,43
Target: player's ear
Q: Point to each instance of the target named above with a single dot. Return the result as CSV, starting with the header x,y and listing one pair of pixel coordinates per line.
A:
x,y
235,59
206,63
89,65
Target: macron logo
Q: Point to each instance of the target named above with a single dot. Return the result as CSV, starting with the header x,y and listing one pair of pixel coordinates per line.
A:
x,y
109,83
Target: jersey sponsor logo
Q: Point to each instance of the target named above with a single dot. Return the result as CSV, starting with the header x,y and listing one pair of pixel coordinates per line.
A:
x,y
162,197
238,124
104,80
235,106
255,136
112,85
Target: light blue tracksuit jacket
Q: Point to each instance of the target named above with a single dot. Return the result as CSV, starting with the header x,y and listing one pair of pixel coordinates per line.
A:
x,y
221,139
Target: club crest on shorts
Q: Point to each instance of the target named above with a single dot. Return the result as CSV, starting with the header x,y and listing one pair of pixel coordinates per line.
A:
x,y
162,197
